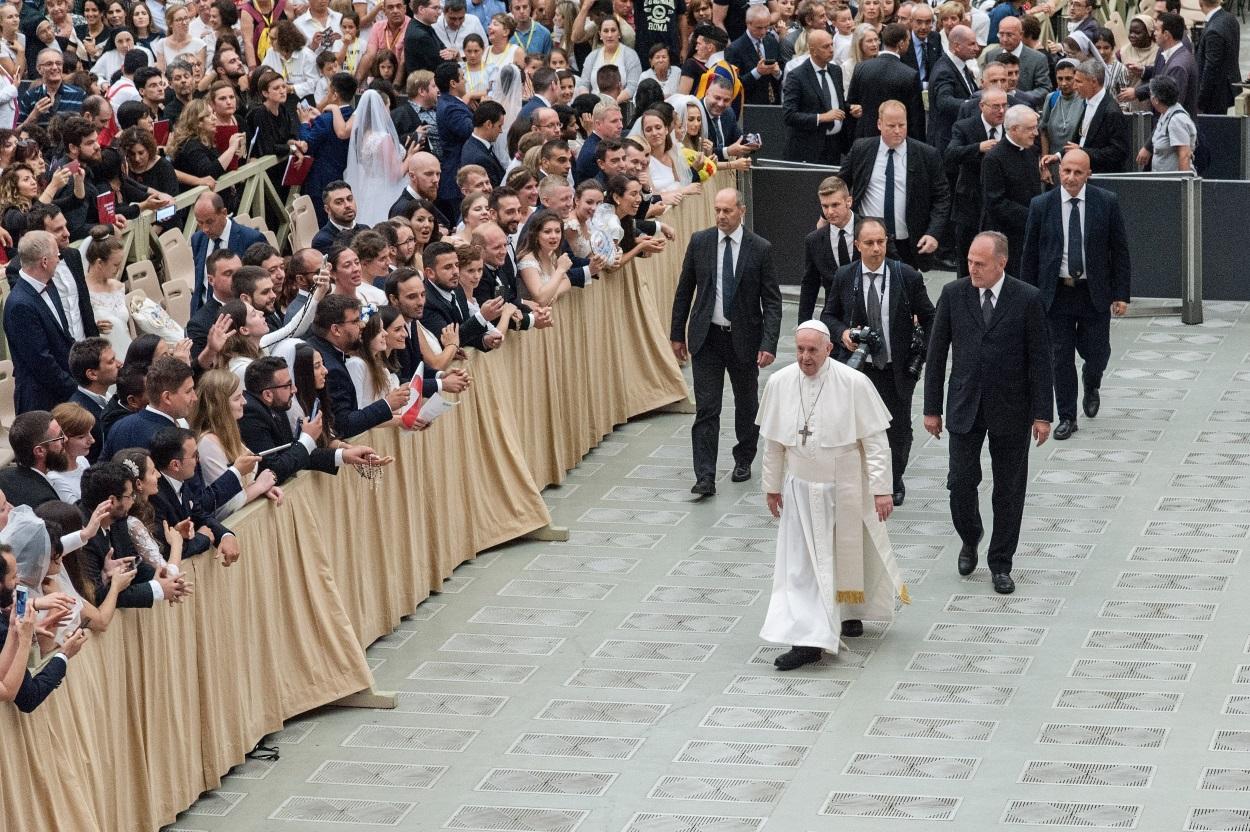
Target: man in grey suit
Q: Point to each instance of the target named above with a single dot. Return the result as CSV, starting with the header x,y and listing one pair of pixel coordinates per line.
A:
x,y
727,309
1034,68
1218,59
1175,59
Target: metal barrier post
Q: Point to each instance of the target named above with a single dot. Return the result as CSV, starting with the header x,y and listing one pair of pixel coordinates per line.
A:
x,y
1191,247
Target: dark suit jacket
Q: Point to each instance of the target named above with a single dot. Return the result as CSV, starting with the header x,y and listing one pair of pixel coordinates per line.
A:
x,y
741,53
1002,371
421,47
1183,69
97,430
439,313
503,282
262,429
25,486
947,90
972,106
476,153
241,236
756,306
963,159
117,539
1107,140
73,262
328,235
880,79
819,267
907,297
39,348
801,102
349,418
729,133
1107,264
928,194
931,49
170,509
114,412
201,322
533,103
34,689
1217,63
455,125
1010,179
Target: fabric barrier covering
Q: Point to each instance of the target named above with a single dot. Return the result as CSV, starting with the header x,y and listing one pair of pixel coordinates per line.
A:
x,y
155,711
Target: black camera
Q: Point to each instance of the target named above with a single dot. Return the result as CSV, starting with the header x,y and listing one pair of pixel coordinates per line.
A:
x,y
917,352
868,341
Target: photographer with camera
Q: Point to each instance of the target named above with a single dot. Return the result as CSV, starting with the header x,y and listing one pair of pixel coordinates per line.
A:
x,y
879,315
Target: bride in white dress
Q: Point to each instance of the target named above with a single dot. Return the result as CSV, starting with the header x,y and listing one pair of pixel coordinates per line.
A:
x,y
375,160
105,259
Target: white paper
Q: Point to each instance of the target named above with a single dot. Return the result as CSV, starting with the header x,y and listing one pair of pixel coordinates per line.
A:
x,y
434,407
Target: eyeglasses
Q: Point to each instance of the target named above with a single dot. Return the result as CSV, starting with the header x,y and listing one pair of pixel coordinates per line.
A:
x,y
51,441
289,385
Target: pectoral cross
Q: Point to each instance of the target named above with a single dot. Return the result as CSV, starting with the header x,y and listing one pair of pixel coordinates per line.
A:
x,y
805,433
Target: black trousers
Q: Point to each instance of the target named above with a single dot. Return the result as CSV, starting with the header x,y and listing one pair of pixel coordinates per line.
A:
x,y
710,364
905,250
1009,463
899,432
1077,327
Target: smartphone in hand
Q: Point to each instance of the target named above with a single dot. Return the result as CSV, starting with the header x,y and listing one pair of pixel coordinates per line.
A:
x,y
19,599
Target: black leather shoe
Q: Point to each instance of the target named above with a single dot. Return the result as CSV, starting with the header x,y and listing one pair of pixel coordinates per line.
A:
x,y
852,628
705,487
900,494
1003,584
967,559
1066,428
1090,402
741,473
797,657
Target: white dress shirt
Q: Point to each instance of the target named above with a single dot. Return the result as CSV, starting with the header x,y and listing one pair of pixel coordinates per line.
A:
x,y
1091,109
67,288
882,280
995,291
309,27
835,232
835,96
961,65
1065,212
718,310
874,199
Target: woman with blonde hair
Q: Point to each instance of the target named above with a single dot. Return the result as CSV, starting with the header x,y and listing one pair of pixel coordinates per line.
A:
x,y
865,44
193,149
870,13
76,423
179,41
215,420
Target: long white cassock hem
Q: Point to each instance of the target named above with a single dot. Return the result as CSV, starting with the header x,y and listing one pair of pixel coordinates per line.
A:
x,y
799,612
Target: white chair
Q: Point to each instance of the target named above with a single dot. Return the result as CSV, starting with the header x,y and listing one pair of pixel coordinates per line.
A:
x,y
178,300
303,223
141,276
179,261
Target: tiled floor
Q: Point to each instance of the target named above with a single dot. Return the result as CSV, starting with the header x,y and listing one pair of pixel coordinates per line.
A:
x,y
615,683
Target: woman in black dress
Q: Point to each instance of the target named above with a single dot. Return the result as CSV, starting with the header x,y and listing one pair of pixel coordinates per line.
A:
x,y
272,127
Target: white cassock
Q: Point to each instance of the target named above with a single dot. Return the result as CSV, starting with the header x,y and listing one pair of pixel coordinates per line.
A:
x,y
834,560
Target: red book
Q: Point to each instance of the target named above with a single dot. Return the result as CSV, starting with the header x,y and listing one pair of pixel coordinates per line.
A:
x,y
296,170
160,131
105,208
221,140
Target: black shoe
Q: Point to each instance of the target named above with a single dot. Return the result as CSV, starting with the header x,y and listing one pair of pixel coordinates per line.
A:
x,y
741,473
852,628
705,487
1003,584
967,559
1091,401
1066,428
797,657
900,494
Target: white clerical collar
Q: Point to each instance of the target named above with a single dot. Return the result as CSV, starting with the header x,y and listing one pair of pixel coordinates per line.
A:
x,y
1014,143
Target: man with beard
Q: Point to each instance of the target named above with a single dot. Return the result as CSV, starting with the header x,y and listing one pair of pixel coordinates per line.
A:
x,y
340,205
38,447
405,290
82,151
268,393
445,302
423,171
178,92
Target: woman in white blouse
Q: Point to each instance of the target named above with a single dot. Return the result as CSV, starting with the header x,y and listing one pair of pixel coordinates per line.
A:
x,y
179,40
543,268
668,171
366,365
218,409
75,423
614,53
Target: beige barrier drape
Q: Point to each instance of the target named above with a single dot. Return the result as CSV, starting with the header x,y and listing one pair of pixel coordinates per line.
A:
x,y
156,710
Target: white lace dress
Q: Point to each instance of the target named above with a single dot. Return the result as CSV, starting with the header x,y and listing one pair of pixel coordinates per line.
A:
x,y
111,307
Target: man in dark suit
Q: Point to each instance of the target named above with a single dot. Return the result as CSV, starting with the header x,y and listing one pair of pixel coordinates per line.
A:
x,y
608,122
70,279
455,125
405,290
36,328
1218,59
755,54
337,329
341,223
422,48
423,173
446,304
722,122
216,232
971,139
1076,253
886,78
221,266
924,47
38,445
1174,59
829,247
902,181
479,149
1034,77
1000,385
951,83
546,84
499,278
177,496
1103,131
728,295
814,106
1010,178
94,366
887,296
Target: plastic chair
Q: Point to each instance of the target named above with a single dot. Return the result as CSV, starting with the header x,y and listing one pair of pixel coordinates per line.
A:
x,y
141,276
178,300
303,222
179,261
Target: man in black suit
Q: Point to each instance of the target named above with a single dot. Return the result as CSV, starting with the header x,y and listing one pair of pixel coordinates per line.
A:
x,y
1103,129
886,78
924,47
94,366
219,275
268,393
722,122
1174,59
728,294
1000,385
951,83
177,494
405,290
814,107
499,278
1010,178
1218,59
887,296
755,54
423,174
70,278
340,205
829,247
1076,253
445,303
902,181
38,445
971,139
422,48
36,328
217,231
479,148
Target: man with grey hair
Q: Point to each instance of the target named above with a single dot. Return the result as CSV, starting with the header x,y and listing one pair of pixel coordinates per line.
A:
x,y
1000,386
1010,178
37,329
1103,129
755,55
39,102
971,139
607,123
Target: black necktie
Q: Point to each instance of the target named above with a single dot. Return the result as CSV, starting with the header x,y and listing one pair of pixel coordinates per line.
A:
x,y
994,133
987,306
874,315
720,136
828,90
844,252
727,278
970,78
889,193
1076,242
50,289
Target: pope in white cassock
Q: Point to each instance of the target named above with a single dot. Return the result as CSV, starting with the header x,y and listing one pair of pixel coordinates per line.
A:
x,y
827,476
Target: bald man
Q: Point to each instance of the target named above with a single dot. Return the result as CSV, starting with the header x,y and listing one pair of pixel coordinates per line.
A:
x,y
1034,67
814,106
951,83
423,171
